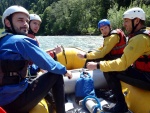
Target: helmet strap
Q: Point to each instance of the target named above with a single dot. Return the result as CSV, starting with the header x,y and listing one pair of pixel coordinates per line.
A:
x,y
12,30
134,27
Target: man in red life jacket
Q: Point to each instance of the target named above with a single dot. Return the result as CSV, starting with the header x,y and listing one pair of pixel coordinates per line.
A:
x,y
134,65
34,26
114,43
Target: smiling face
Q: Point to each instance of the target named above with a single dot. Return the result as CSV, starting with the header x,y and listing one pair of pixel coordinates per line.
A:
x,y
35,25
127,23
105,30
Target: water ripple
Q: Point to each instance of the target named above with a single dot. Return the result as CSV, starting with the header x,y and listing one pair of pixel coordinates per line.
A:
x,y
86,43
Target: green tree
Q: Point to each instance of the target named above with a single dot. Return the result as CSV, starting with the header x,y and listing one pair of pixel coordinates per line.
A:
x,y
123,3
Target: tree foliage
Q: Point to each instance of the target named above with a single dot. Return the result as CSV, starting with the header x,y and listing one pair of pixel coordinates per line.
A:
x,y
75,17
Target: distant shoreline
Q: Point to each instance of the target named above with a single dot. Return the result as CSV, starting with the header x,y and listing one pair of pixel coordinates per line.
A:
x,y
2,30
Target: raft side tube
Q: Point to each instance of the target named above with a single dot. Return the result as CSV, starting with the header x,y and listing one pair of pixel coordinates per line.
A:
x,y
70,59
137,99
97,75
41,107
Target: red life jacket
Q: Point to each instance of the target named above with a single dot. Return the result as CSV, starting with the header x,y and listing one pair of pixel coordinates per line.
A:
x,y
33,37
143,62
119,47
52,54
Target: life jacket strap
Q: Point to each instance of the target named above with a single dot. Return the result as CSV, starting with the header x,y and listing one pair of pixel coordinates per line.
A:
x,y
12,72
10,80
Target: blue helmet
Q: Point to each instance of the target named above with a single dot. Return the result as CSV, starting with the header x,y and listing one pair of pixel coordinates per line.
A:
x,y
103,22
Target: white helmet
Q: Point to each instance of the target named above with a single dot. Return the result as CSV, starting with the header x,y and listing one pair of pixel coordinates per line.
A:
x,y
135,12
35,17
13,9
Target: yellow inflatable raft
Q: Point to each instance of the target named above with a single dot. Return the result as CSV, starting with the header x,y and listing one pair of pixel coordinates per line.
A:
x,y
138,100
41,107
70,59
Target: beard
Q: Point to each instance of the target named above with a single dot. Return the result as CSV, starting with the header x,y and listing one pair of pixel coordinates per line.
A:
x,y
21,30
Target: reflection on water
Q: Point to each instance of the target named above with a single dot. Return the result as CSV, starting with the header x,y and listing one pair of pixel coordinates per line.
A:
x,y
84,42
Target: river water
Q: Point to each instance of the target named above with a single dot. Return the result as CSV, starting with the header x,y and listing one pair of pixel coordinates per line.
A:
x,y
86,43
